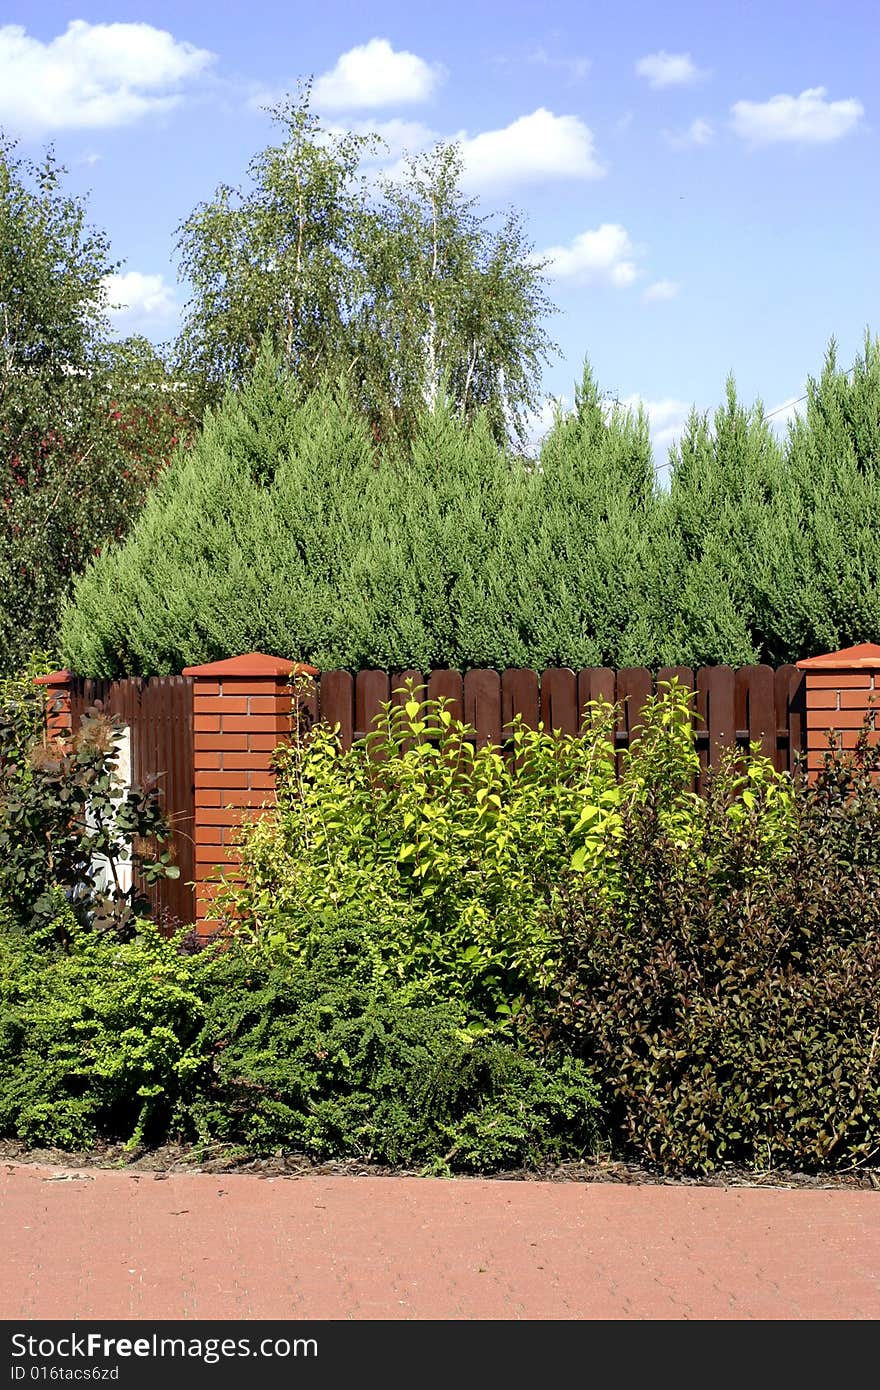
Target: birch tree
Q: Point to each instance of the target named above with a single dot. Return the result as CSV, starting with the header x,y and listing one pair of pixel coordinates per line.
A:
x,y
394,281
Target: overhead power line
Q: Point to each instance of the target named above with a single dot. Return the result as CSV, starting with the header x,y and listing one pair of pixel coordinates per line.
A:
x,y
787,406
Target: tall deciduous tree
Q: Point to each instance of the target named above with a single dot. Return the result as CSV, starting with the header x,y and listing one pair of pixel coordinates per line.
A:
x,y
395,282
83,423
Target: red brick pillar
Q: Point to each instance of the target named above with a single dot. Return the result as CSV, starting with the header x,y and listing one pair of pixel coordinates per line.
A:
x,y
841,690
241,712
59,716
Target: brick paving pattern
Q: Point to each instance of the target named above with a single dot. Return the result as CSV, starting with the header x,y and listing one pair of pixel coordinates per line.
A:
x,y
98,1243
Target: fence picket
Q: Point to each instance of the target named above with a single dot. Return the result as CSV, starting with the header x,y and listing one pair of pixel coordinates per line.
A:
x,y
519,695
595,683
683,674
716,705
635,686
755,702
398,682
371,691
448,685
336,703
559,700
482,704
790,714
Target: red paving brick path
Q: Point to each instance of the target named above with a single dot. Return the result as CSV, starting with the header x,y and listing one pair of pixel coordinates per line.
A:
x,y
105,1244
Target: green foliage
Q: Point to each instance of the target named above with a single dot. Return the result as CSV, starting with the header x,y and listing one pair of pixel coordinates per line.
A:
x,y
326,1055
63,815
84,425
20,705
458,851
711,529
97,1039
396,283
286,530
459,962
767,551
834,461
465,855
289,530
729,996
138,1041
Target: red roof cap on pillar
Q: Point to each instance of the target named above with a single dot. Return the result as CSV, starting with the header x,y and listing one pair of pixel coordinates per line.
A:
x,y
63,677
252,664
865,656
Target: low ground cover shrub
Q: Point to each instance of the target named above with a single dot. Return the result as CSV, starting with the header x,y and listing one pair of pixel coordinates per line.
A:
x,y
325,1055
731,1006
96,1037
141,1042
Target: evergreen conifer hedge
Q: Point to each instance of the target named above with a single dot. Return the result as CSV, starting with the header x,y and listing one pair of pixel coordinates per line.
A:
x,y
287,528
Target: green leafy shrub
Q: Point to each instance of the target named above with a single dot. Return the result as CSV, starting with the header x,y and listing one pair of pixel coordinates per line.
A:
x,y
20,705
463,854
729,995
456,850
326,1055
96,1040
62,812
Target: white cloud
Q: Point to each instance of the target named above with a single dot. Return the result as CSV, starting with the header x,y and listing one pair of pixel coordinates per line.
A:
x,y
604,256
531,149
807,119
373,74
660,290
669,69
135,294
92,76
699,133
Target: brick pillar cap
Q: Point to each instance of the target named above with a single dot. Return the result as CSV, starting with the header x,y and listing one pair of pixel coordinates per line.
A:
x,y
63,677
865,656
252,664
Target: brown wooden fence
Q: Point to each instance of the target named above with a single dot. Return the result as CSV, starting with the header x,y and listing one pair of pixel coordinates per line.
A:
x,y
159,712
734,707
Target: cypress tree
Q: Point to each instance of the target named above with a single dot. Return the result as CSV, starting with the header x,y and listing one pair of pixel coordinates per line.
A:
x,y
833,458
595,493
289,528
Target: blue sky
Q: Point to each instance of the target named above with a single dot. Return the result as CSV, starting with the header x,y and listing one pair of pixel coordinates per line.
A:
x,y
704,177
